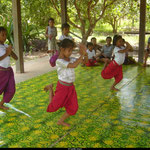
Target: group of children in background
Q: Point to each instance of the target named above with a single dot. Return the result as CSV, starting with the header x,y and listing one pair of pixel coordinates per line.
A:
x,y
113,56
65,94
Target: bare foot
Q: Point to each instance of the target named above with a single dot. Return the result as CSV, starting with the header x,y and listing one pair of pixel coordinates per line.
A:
x,y
3,107
48,87
114,89
63,123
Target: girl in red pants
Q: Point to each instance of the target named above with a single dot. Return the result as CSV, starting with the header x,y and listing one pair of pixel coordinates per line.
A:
x,y
114,69
65,94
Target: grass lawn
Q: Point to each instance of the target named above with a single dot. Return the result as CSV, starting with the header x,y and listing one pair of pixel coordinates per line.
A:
x,y
104,119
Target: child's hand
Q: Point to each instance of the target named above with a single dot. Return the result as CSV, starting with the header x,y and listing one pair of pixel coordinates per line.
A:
x,y
82,48
8,50
50,36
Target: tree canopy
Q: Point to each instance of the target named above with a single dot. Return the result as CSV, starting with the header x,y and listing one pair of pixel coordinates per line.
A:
x,y
82,15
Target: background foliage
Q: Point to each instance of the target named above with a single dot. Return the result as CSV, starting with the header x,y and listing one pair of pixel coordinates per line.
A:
x,y
85,17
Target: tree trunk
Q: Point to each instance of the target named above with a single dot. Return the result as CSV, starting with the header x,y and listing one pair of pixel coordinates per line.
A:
x,y
114,26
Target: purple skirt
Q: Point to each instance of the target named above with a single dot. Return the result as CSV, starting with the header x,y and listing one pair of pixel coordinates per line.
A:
x,y
7,84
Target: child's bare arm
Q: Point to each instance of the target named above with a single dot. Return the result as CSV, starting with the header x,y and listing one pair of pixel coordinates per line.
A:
x,y
76,63
128,48
13,55
46,32
82,52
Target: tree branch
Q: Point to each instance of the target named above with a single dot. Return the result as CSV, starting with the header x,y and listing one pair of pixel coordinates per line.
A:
x,y
72,23
88,11
56,8
104,8
78,11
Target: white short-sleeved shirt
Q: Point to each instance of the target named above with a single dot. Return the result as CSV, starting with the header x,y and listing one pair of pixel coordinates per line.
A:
x,y
65,74
62,37
91,54
5,63
119,57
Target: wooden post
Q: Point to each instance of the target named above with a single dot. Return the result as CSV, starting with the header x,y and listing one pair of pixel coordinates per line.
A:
x,y
142,30
18,46
63,11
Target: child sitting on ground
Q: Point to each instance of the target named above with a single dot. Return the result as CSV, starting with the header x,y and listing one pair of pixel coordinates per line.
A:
x,y
91,55
106,53
65,94
7,81
96,47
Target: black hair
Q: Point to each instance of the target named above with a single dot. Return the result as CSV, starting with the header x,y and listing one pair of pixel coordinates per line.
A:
x,y
108,37
66,43
123,40
51,19
93,38
65,25
2,29
116,38
89,44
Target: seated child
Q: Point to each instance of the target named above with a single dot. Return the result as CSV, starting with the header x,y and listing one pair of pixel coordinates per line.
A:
x,y
91,55
95,45
106,52
65,32
147,52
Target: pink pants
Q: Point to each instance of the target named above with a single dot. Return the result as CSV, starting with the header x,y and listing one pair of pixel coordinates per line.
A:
x,y
7,84
113,70
65,96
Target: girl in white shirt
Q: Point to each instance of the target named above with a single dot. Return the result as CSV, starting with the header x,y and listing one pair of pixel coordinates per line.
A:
x,y
114,69
65,94
7,81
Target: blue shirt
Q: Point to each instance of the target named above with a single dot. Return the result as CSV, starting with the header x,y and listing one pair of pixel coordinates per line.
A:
x,y
107,50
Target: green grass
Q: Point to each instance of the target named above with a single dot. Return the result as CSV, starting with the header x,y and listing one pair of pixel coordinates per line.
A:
x,y
104,119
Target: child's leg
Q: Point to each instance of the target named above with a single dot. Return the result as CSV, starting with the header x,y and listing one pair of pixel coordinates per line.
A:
x,y
2,105
51,92
9,90
113,86
106,63
118,77
64,117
